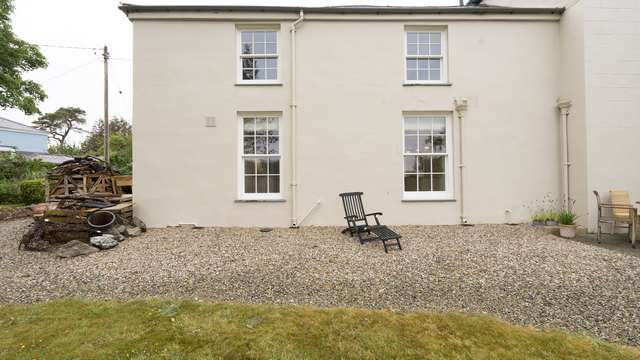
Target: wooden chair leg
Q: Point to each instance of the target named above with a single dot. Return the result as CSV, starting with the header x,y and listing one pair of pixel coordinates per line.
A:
x,y
598,233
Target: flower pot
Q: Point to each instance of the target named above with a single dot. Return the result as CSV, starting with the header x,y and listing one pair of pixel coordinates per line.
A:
x,y
568,231
551,223
537,223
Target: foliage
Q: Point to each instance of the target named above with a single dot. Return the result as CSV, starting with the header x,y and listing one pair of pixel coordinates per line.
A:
x,y
187,329
61,122
539,217
567,217
552,215
18,57
66,149
15,167
93,143
32,191
546,209
9,192
120,143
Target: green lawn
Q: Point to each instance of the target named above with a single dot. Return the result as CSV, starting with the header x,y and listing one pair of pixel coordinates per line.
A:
x,y
155,329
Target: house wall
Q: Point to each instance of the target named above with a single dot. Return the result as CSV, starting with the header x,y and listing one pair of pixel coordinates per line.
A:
x,y
612,83
351,100
23,141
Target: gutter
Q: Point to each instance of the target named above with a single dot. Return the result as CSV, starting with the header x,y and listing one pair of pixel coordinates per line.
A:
x,y
342,10
293,221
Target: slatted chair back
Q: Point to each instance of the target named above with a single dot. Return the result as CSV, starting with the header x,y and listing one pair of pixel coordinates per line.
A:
x,y
598,202
353,208
620,197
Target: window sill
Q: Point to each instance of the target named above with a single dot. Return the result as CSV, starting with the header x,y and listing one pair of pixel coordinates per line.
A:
x,y
427,84
259,200
428,200
259,84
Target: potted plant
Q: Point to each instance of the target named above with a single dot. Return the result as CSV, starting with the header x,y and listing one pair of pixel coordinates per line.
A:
x,y
567,219
538,218
551,218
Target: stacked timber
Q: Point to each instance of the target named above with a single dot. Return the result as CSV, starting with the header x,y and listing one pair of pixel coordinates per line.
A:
x,y
81,176
64,225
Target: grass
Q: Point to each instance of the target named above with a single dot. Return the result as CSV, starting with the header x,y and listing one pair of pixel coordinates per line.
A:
x,y
163,329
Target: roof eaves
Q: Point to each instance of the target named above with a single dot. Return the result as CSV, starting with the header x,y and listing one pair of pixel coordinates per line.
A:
x,y
133,8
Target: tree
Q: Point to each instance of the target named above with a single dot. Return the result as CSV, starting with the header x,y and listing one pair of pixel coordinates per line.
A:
x,y
61,122
93,144
17,57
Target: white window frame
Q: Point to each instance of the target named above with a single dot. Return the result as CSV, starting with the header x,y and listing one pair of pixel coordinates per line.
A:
x,y
241,156
240,55
444,68
448,193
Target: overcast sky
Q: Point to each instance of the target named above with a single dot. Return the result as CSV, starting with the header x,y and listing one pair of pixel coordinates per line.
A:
x,y
75,76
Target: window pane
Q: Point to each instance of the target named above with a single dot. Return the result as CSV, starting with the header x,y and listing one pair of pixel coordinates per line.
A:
x,y
423,64
434,75
272,74
424,126
412,75
261,184
439,126
261,144
438,182
258,36
410,126
424,182
274,145
259,74
424,144
412,37
247,74
271,48
261,166
424,164
410,183
423,37
249,126
272,63
246,36
436,49
423,75
435,37
412,49
261,63
434,64
247,48
249,184
274,166
249,145
258,48
271,36
423,49
412,64
439,145
438,163
274,184
247,63
410,164
411,144
249,166
261,126
273,126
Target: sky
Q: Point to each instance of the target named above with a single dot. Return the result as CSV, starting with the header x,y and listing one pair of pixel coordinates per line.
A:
x,y
74,77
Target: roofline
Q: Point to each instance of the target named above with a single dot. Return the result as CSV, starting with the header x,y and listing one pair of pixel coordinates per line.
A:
x,y
30,129
479,10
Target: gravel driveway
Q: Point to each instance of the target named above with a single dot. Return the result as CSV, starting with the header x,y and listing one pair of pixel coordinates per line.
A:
x,y
515,272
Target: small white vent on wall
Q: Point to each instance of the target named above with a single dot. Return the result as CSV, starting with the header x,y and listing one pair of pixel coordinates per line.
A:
x,y
210,121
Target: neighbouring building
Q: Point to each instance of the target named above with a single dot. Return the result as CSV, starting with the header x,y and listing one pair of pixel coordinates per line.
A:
x,y
260,116
17,137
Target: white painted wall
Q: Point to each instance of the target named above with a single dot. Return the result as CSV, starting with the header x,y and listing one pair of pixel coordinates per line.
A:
x,y
351,100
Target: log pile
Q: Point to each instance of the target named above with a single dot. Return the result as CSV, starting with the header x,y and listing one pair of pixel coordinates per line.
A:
x,y
81,176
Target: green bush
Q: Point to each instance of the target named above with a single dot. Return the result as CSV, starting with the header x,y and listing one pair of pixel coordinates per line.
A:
x,y
9,192
567,217
17,167
32,191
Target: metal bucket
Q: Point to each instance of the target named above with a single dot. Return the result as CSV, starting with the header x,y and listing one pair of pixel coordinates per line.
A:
x,y
101,220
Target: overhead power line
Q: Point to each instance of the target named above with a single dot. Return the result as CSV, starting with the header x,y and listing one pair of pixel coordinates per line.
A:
x,y
68,47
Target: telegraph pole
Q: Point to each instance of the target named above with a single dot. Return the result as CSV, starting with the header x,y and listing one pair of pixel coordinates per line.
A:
x,y
105,56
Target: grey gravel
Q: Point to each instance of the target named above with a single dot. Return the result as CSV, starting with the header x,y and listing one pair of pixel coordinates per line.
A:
x,y
517,273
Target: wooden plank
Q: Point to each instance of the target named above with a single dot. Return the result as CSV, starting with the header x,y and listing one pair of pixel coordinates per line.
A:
x,y
119,207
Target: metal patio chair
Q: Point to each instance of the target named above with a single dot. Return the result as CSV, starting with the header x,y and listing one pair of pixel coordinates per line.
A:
x,y
358,223
622,212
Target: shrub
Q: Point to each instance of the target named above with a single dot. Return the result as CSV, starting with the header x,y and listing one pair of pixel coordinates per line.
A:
x,y
9,192
567,217
32,191
552,215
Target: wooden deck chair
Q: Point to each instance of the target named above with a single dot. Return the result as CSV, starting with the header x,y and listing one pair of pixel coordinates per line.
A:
x,y
622,212
358,224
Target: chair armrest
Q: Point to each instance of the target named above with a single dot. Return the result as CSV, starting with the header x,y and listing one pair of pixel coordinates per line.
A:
x,y
350,217
374,214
